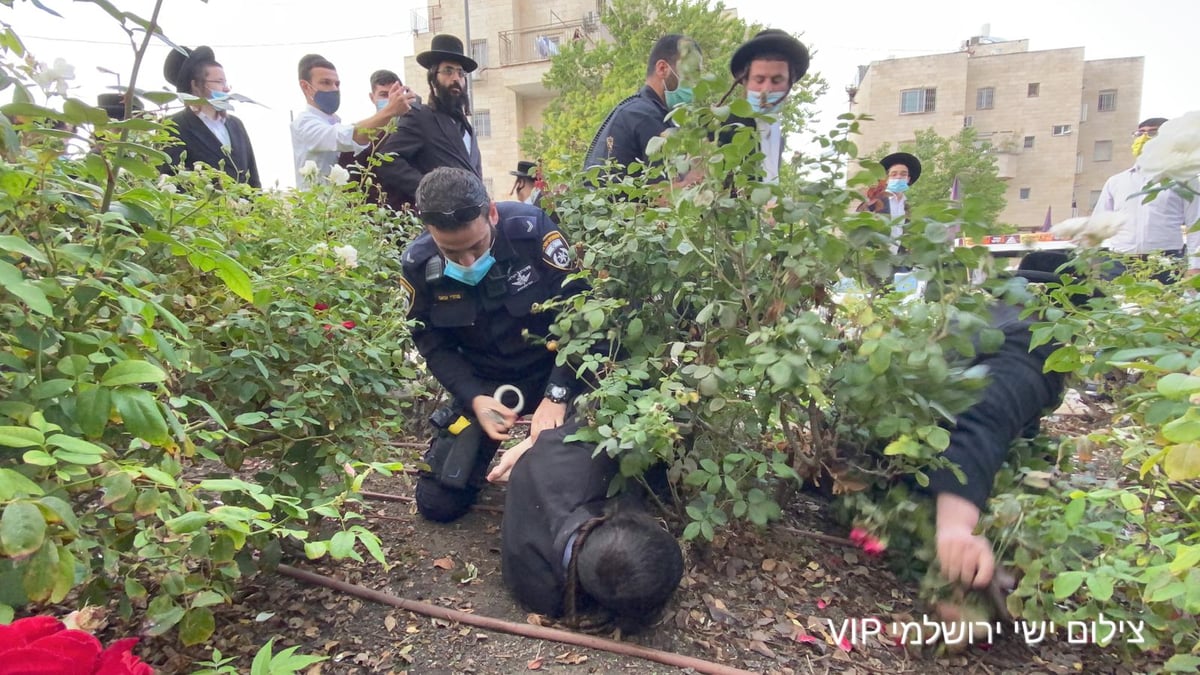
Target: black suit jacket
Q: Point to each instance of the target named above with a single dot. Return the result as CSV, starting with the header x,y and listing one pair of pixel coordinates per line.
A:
x,y
196,144
424,140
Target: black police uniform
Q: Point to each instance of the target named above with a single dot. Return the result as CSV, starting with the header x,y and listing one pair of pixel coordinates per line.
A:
x,y
475,338
628,129
554,489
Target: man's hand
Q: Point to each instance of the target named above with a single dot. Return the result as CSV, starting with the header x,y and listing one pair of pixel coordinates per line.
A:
x,y
494,417
964,556
400,100
499,473
547,416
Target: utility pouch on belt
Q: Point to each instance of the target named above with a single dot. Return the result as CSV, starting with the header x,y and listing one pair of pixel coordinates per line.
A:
x,y
462,450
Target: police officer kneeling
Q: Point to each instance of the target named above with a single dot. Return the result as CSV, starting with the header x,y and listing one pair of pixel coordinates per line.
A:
x,y
472,279
567,549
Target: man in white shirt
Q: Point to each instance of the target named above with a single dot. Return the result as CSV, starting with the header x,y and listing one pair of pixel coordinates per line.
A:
x,y
318,135
768,66
1156,227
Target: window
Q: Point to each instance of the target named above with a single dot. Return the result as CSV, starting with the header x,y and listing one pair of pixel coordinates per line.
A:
x,y
1029,142
1079,162
918,101
1025,193
1083,110
983,98
969,121
1093,199
479,52
1108,101
482,121
1102,151
1035,89
1060,130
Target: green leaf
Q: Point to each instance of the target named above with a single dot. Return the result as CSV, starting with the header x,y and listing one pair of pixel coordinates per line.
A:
x,y
64,576
1177,386
132,372
22,529
13,484
938,438
14,281
1066,583
141,415
92,408
41,574
315,549
82,113
234,276
1182,663
161,615
691,531
196,626
6,614
76,445
38,458
1186,557
341,545
1183,430
1182,462
188,522
1074,512
634,331
117,487
15,244
58,510
1101,587
20,437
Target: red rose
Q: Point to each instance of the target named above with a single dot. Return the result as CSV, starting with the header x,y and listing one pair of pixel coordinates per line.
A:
x,y
320,306
348,325
327,327
873,546
858,535
43,646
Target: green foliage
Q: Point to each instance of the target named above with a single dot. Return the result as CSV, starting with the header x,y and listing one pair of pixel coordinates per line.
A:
x,y
192,371
943,159
286,662
589,79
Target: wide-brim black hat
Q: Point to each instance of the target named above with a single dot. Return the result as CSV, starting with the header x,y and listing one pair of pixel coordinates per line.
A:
x,y
771,41
446,48
523,170
179,65
913,164
114,105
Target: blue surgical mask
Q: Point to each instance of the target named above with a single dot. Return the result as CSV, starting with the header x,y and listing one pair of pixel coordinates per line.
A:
x,y
220,100
471,274
680,96
381,103
773,99
328,102
897,185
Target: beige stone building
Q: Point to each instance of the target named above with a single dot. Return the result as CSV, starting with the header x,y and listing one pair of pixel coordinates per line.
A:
x,y
513,41
1059,125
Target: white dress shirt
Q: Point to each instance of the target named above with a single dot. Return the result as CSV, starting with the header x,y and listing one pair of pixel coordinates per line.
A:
x,y
217,126
1156,226
320,137
771,143
897,209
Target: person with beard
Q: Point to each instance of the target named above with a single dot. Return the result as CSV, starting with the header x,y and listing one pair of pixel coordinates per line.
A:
x,y
318,135
435,135
204,131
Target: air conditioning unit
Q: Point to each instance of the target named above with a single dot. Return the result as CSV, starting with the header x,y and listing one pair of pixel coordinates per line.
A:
x,y
968,121
591,22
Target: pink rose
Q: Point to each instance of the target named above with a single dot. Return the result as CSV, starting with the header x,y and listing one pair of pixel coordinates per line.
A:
x,y
41,645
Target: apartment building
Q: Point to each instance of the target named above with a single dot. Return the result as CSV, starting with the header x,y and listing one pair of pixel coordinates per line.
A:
x,y
1058,124
513,42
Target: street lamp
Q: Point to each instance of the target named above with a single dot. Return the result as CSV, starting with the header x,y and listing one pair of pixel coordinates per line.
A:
x,y
110,72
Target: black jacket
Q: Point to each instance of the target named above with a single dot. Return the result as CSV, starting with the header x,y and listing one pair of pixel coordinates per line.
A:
x,y
197,145
554,488
424,140
629,127
1018,393
473,335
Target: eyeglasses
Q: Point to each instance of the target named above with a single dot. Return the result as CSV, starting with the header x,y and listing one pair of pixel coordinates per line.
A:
x,y
450,219
452,71
219,83
1145,132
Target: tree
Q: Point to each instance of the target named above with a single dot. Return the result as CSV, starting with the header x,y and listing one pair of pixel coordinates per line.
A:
x,y
591,79
943,159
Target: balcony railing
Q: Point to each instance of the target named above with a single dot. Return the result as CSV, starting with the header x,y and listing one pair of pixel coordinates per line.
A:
x,y
427,19
539,43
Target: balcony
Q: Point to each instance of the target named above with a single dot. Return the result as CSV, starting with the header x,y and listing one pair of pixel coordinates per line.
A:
x,y
427,19
541,43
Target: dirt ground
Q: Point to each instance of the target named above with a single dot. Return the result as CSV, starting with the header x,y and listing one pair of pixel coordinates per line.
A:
x,y
758,600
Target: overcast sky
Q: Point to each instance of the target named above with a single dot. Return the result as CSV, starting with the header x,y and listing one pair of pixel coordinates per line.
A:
x,y
260,41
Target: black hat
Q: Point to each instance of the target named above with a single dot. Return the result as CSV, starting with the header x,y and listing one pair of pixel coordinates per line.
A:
x,y
114,105
772,41
523,168
180,65
446,48
913,164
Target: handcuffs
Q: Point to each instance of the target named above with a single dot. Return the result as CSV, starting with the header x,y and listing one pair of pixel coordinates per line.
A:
x,y
494,415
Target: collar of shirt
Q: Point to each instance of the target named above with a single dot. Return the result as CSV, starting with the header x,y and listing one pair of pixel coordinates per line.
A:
x,y
203,113
896,205
332,119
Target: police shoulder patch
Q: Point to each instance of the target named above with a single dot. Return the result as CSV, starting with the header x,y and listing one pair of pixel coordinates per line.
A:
x,y
555,251
406,295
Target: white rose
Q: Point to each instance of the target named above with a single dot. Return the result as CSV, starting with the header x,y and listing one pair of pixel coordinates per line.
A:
x,y
1070,228
1175,151
338,175
309,170
348,255
53,79
318,248
1101,226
